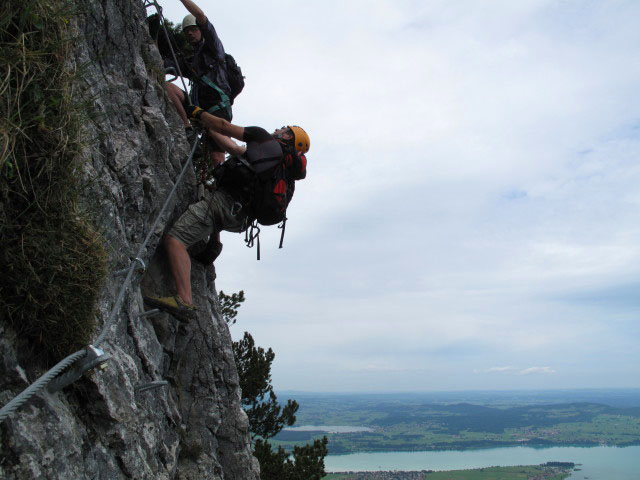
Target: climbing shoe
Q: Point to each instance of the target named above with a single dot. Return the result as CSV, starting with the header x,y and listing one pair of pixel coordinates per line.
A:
x,y
175,306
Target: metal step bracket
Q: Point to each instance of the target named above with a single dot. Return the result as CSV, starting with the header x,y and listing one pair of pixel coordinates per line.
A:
x,y
148,313
141,269
95,358
143,387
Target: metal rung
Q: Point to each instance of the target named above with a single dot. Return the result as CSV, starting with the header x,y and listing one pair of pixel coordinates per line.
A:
x,y
95,357
143,387
148,313
140,269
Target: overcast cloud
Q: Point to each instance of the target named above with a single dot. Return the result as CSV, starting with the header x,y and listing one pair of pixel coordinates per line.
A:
x,y
472,195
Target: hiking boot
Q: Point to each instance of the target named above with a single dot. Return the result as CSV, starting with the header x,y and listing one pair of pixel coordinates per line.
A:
x,y
174,306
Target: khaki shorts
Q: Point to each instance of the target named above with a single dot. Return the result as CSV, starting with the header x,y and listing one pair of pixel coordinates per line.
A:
x,y
218,211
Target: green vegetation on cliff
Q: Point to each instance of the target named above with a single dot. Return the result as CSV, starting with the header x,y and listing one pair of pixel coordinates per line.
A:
x,y
52,260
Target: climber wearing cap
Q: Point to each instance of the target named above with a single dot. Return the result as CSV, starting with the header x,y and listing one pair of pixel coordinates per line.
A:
x,y
229,206
207,71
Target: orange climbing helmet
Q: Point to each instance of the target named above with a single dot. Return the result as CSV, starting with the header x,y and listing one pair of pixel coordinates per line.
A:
x,y
301,139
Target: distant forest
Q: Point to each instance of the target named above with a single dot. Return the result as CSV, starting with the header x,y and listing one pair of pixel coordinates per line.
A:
x,y
410,422
452,419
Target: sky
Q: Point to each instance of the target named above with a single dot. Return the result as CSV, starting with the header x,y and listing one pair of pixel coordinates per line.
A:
x,y
470,217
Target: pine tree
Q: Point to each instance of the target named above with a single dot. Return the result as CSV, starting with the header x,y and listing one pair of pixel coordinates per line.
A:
x,y
229,305
305,463
266,417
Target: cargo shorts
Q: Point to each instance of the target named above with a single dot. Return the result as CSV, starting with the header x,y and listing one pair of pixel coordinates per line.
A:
x,y
217,211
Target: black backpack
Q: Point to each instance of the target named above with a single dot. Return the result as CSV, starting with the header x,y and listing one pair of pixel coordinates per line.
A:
x,y
266,183
234,76
274,190
273,183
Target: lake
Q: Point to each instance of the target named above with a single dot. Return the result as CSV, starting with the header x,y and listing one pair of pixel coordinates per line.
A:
x,y
328,429
598,463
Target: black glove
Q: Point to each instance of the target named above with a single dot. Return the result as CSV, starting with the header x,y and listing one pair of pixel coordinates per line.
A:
x,y
193,111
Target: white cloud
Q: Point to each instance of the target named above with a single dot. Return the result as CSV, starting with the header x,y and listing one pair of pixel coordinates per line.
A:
x,y
518,371
472,192
535,370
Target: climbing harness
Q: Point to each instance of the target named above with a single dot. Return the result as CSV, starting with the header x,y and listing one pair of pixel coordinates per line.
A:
x,y
225,101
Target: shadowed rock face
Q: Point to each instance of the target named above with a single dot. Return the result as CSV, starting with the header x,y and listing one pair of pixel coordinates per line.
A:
x,y
102,427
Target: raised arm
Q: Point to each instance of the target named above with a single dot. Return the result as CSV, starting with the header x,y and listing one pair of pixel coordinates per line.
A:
x,y
196,11
227,144
217,124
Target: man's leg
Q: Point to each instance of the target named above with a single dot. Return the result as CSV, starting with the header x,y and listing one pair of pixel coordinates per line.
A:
x,y
180,305
197,223
177,97
180,265
193,225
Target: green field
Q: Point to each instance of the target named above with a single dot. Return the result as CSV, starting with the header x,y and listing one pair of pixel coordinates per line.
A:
x,y
502,473
492,473
412,425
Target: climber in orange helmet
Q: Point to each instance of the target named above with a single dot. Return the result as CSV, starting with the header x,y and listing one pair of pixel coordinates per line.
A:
x,y
231,205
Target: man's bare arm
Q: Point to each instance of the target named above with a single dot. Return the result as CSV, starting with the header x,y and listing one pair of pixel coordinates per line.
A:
x,y
196,11
227,144
220,125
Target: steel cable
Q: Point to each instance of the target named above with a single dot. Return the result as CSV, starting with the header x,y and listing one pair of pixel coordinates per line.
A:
x,y
127,281
39,384
42,382
173,53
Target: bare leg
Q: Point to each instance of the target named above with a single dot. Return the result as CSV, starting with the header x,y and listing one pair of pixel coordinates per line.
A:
x,y
176,95
180,264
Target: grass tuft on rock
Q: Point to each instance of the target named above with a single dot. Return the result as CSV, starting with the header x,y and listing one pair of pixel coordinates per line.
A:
x,y
53,262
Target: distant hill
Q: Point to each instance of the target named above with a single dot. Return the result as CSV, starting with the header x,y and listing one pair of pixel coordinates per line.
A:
x,y
416,422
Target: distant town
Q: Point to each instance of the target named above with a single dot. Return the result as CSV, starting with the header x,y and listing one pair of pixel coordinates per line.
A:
x,y
395,475
548,471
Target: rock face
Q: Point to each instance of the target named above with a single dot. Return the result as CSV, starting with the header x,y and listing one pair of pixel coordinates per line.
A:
x,y
103,426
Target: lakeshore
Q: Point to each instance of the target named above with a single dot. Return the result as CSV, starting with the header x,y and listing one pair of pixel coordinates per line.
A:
x,y
529,472
611,463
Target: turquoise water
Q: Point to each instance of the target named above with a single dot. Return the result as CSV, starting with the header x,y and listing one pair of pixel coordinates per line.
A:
x,y
328,429
598,463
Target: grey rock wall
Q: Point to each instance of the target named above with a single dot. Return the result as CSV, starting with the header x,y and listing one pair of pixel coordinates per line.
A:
x,y
102,426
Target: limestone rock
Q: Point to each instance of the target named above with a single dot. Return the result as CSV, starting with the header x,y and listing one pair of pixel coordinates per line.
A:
x,y
103,426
